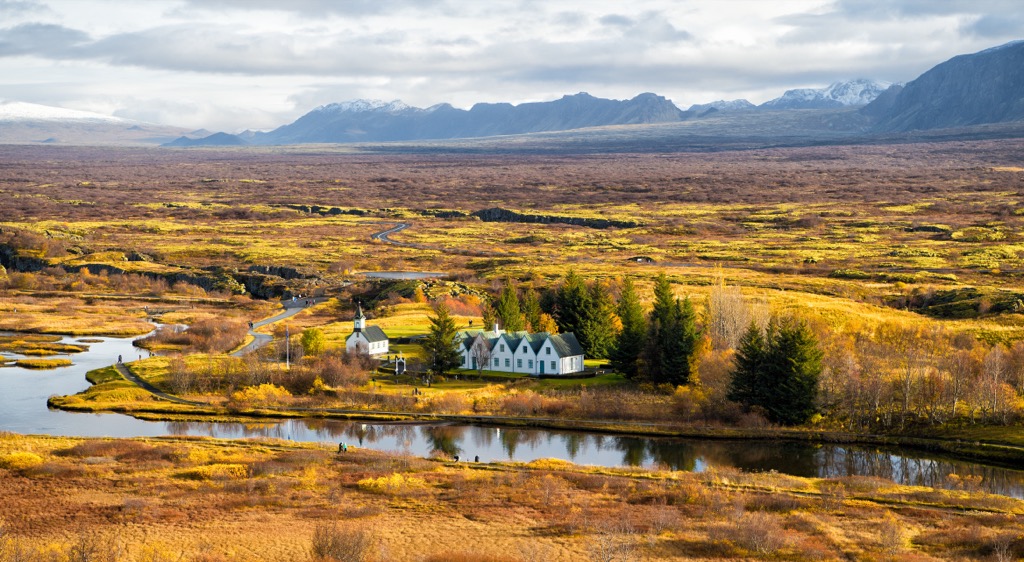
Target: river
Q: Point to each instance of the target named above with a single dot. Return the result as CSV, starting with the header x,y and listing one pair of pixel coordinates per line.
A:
x,y
23,395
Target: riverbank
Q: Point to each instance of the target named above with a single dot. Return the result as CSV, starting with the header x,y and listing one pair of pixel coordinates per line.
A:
x,y
1000,446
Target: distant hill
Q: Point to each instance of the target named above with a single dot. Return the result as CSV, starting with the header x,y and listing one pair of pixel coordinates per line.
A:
x,y
839,94
376,121
29,123
216,139
977,89
701,109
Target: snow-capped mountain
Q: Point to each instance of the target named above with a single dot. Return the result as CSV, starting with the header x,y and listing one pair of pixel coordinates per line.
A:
x,y
721,105
21,111
839,94
362,105
30,123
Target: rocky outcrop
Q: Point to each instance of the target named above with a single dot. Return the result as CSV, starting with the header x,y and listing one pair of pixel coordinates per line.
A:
x,y
496,214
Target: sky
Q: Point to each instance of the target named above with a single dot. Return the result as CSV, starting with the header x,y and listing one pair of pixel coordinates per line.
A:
x,y
257,64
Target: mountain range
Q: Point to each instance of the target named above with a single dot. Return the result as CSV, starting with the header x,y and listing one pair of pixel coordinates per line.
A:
x,y
968,90
380,121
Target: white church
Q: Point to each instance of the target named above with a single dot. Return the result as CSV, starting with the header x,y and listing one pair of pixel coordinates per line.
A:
x,y
370,340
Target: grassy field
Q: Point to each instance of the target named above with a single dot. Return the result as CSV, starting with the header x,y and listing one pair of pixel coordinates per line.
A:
x,y
208,500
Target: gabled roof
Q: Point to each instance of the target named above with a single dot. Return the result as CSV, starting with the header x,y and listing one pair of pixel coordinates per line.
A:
x,y
566,344
374,334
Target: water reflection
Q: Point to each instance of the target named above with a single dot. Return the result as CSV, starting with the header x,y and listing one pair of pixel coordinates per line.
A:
x,y
23,410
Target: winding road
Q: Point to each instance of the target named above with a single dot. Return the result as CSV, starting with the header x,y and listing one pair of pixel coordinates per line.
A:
x,y
291,308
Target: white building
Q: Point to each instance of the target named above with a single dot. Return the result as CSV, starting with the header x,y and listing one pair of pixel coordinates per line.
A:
x,y
366,339
520,352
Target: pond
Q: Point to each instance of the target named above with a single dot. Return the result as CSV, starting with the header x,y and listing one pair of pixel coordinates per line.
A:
x,y
402,274
23,395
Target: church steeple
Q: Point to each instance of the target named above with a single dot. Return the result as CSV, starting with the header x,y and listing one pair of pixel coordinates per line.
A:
x,y
360,320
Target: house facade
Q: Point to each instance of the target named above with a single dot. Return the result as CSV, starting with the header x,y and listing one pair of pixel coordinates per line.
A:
x,y
520,352
370,340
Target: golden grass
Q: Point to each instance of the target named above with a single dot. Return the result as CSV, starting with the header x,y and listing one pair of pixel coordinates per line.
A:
x,y
197,498
41,364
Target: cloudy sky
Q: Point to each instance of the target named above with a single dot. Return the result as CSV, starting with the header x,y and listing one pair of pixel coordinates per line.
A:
x,y
236,64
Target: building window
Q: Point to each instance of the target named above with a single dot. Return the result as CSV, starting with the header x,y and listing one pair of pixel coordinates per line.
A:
x,y
508,362
519,363
502,347
497,362
530,363
554,366
547,351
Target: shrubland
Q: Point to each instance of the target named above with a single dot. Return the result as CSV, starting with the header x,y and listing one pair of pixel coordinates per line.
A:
x,y
197,499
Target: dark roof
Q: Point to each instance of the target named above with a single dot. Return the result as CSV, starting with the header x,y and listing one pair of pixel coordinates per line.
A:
x,y
566,344
374,334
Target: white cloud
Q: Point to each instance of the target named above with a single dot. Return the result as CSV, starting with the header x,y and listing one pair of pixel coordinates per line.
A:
x,y
233,64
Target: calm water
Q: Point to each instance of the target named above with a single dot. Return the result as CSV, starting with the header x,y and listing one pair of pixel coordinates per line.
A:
x,y
402,274
23,395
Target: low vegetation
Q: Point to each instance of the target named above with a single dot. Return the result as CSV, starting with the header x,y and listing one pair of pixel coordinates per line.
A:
x,y
203,500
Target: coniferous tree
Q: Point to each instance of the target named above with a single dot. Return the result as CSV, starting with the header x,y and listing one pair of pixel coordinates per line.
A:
x,y
747,385
671,336
439,344
507,308
571,303
681,342
599,326
530,304
778,371
629,344
659,329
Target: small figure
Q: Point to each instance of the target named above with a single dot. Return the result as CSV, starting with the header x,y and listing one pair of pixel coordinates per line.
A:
x,y
119,359
456,458
476,458
341,447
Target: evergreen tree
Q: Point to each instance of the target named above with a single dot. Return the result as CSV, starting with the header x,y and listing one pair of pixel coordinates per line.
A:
x,y
659,329
598,330
439,344
629,345
530,305
748,385
680,343
571,303
507,308
778,371
671,336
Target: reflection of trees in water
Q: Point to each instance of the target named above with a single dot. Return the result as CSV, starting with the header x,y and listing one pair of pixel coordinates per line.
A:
x,y
573,443
483,437
511,439
800,459
444,438
835,462
674,455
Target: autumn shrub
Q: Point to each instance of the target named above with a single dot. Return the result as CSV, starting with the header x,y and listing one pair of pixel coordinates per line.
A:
x,y
20,461
331,543
395,484
758,532
450,403
262,395
216,472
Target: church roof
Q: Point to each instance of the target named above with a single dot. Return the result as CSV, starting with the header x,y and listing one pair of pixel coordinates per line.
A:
x,y
359,311
374,334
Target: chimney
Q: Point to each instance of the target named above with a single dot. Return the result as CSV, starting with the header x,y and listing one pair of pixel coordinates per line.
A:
x,y
496,330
